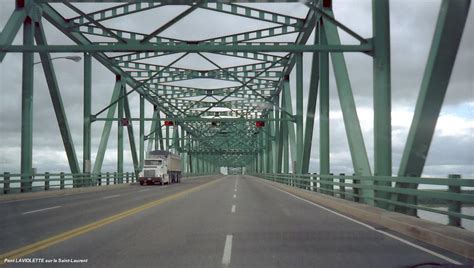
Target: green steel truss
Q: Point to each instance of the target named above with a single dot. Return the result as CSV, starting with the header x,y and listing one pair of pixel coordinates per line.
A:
x,y
215,126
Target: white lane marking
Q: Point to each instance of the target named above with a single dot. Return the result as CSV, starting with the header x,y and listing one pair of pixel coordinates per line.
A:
x,y
235,190
144,190
235,195
111,196
372,228
227,250
39,210
233,209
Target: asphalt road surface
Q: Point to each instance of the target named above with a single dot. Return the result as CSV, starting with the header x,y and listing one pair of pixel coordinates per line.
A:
x,y
232,221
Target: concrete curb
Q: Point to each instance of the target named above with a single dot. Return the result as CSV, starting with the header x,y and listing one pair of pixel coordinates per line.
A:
x,y
453,239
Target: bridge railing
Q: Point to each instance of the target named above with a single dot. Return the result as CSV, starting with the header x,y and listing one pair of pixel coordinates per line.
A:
x,y
445,196
14,183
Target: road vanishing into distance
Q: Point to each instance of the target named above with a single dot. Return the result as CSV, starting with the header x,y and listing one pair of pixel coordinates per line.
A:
x,y
219,221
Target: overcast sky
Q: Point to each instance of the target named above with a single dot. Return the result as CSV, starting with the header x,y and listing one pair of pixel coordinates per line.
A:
x,y
412,27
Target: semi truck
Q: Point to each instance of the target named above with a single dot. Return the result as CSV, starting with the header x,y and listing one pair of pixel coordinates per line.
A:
x,y
161,167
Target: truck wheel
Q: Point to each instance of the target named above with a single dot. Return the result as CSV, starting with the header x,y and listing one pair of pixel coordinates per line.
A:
x,y
141,183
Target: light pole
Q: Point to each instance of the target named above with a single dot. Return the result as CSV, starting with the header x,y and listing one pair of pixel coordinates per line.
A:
x,y
73,58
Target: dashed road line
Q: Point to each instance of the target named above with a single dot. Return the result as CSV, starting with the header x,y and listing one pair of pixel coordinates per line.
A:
x,y
227,250
39,210
111,196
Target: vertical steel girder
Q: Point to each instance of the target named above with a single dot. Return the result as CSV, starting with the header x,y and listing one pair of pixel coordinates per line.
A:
x,y
324,160
446,40
281,137
299,112
27,107
86,129
277,140
270,144
359,157
285,136
142,131
382,95
167,140
311,108
291,127
107,127
56,99
159,133
120,105
153,131
131,136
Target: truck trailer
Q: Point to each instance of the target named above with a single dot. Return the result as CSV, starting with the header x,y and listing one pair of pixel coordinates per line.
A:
x,y
161,167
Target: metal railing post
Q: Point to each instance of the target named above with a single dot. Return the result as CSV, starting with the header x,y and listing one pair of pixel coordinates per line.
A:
x,y
61,180
356,190
331,186
108,177
6,182
342,188
115,177
454,206
46,181
126,177
99,180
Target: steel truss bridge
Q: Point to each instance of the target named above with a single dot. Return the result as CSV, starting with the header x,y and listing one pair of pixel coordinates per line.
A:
x,y
253,124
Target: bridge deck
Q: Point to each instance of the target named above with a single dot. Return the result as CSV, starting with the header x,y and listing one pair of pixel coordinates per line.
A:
x,y
236,221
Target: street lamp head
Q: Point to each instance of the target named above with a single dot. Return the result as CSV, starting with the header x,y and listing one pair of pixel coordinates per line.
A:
x,y
73,58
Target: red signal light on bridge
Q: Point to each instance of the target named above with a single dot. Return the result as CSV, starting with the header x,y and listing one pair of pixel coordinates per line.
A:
x,y
259,124
124,122
169,123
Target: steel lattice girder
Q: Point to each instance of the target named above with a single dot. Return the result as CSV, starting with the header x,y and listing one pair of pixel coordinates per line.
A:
x,y
257,90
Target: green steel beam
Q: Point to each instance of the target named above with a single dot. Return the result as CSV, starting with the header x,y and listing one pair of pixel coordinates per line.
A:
x,y
252,13
278,139
177,2
290,130
152,130
27,107
131,136
160,133
446,40
324,137
86,129
311,107
97,24
172,22
107,127
299,113
282,136
56,99
113,12
167,140
120,106
11,29
359,157
142,131
382,95
178,48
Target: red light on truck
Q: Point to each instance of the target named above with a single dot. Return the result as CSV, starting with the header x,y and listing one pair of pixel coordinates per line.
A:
x,y
259,124
168,123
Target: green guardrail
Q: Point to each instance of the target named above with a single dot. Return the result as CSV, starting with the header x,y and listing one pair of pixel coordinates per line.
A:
x,y
459,192
13,183
47,181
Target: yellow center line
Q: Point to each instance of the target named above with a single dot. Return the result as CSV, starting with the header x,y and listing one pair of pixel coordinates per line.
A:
x,y
26,250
